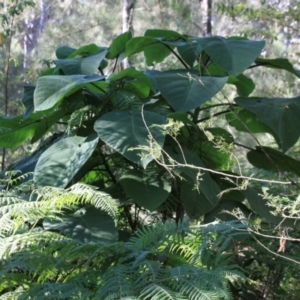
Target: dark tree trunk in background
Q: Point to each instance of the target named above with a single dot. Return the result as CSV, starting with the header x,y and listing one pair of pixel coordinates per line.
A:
x,y
128,7
206,6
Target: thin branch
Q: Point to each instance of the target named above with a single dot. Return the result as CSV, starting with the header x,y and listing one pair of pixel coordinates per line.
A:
x,y
274,253
177,164
177,56
214,115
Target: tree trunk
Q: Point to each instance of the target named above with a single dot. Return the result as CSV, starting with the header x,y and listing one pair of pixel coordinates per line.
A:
x,y
206,6
128,7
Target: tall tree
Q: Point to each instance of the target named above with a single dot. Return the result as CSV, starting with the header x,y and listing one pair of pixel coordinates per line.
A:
x,y
206,10
127,23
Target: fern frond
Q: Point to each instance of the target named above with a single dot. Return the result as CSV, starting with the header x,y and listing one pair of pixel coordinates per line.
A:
x,y
18,242
116,283
156,291
57,291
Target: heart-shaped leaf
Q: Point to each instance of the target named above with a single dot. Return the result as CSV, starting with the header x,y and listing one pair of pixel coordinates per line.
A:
x,y
278,63
272,160
15,131
87,225
59,163
198,191
118,45
280,114
185,90
148,188
233,56
81,65
126,129
52,89
244,85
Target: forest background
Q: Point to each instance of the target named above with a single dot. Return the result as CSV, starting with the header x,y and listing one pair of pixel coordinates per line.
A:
x,y
32,30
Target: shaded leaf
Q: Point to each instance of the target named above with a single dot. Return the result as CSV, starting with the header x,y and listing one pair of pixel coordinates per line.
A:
x,y
165,35
182,117
280,114
87,225
134,81
185,90
221,134
198,191
278,63
27,100
244,120
244,85
270,159
58,164
154,50
219,212
188,52
87,50
64,52
212,156
148,188
260,206
233,56
125,129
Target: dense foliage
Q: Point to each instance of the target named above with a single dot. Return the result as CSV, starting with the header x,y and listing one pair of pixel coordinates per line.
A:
x,y
161,145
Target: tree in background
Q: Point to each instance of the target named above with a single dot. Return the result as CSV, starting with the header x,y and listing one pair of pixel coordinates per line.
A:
x,y
10,55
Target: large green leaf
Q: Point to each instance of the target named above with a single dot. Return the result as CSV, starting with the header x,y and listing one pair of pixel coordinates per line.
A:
x,y
233,56
273,160
200,198
86,50
156,44
154,49
185,90
28,163
188,52
278,63
15,131
87,225
126,129
52,89
148,188
198,191
118,45
212,156
64,52
81,65
245,121
244,85
280,114
165,35
27,100
260,206
224,206
58,164
134,81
